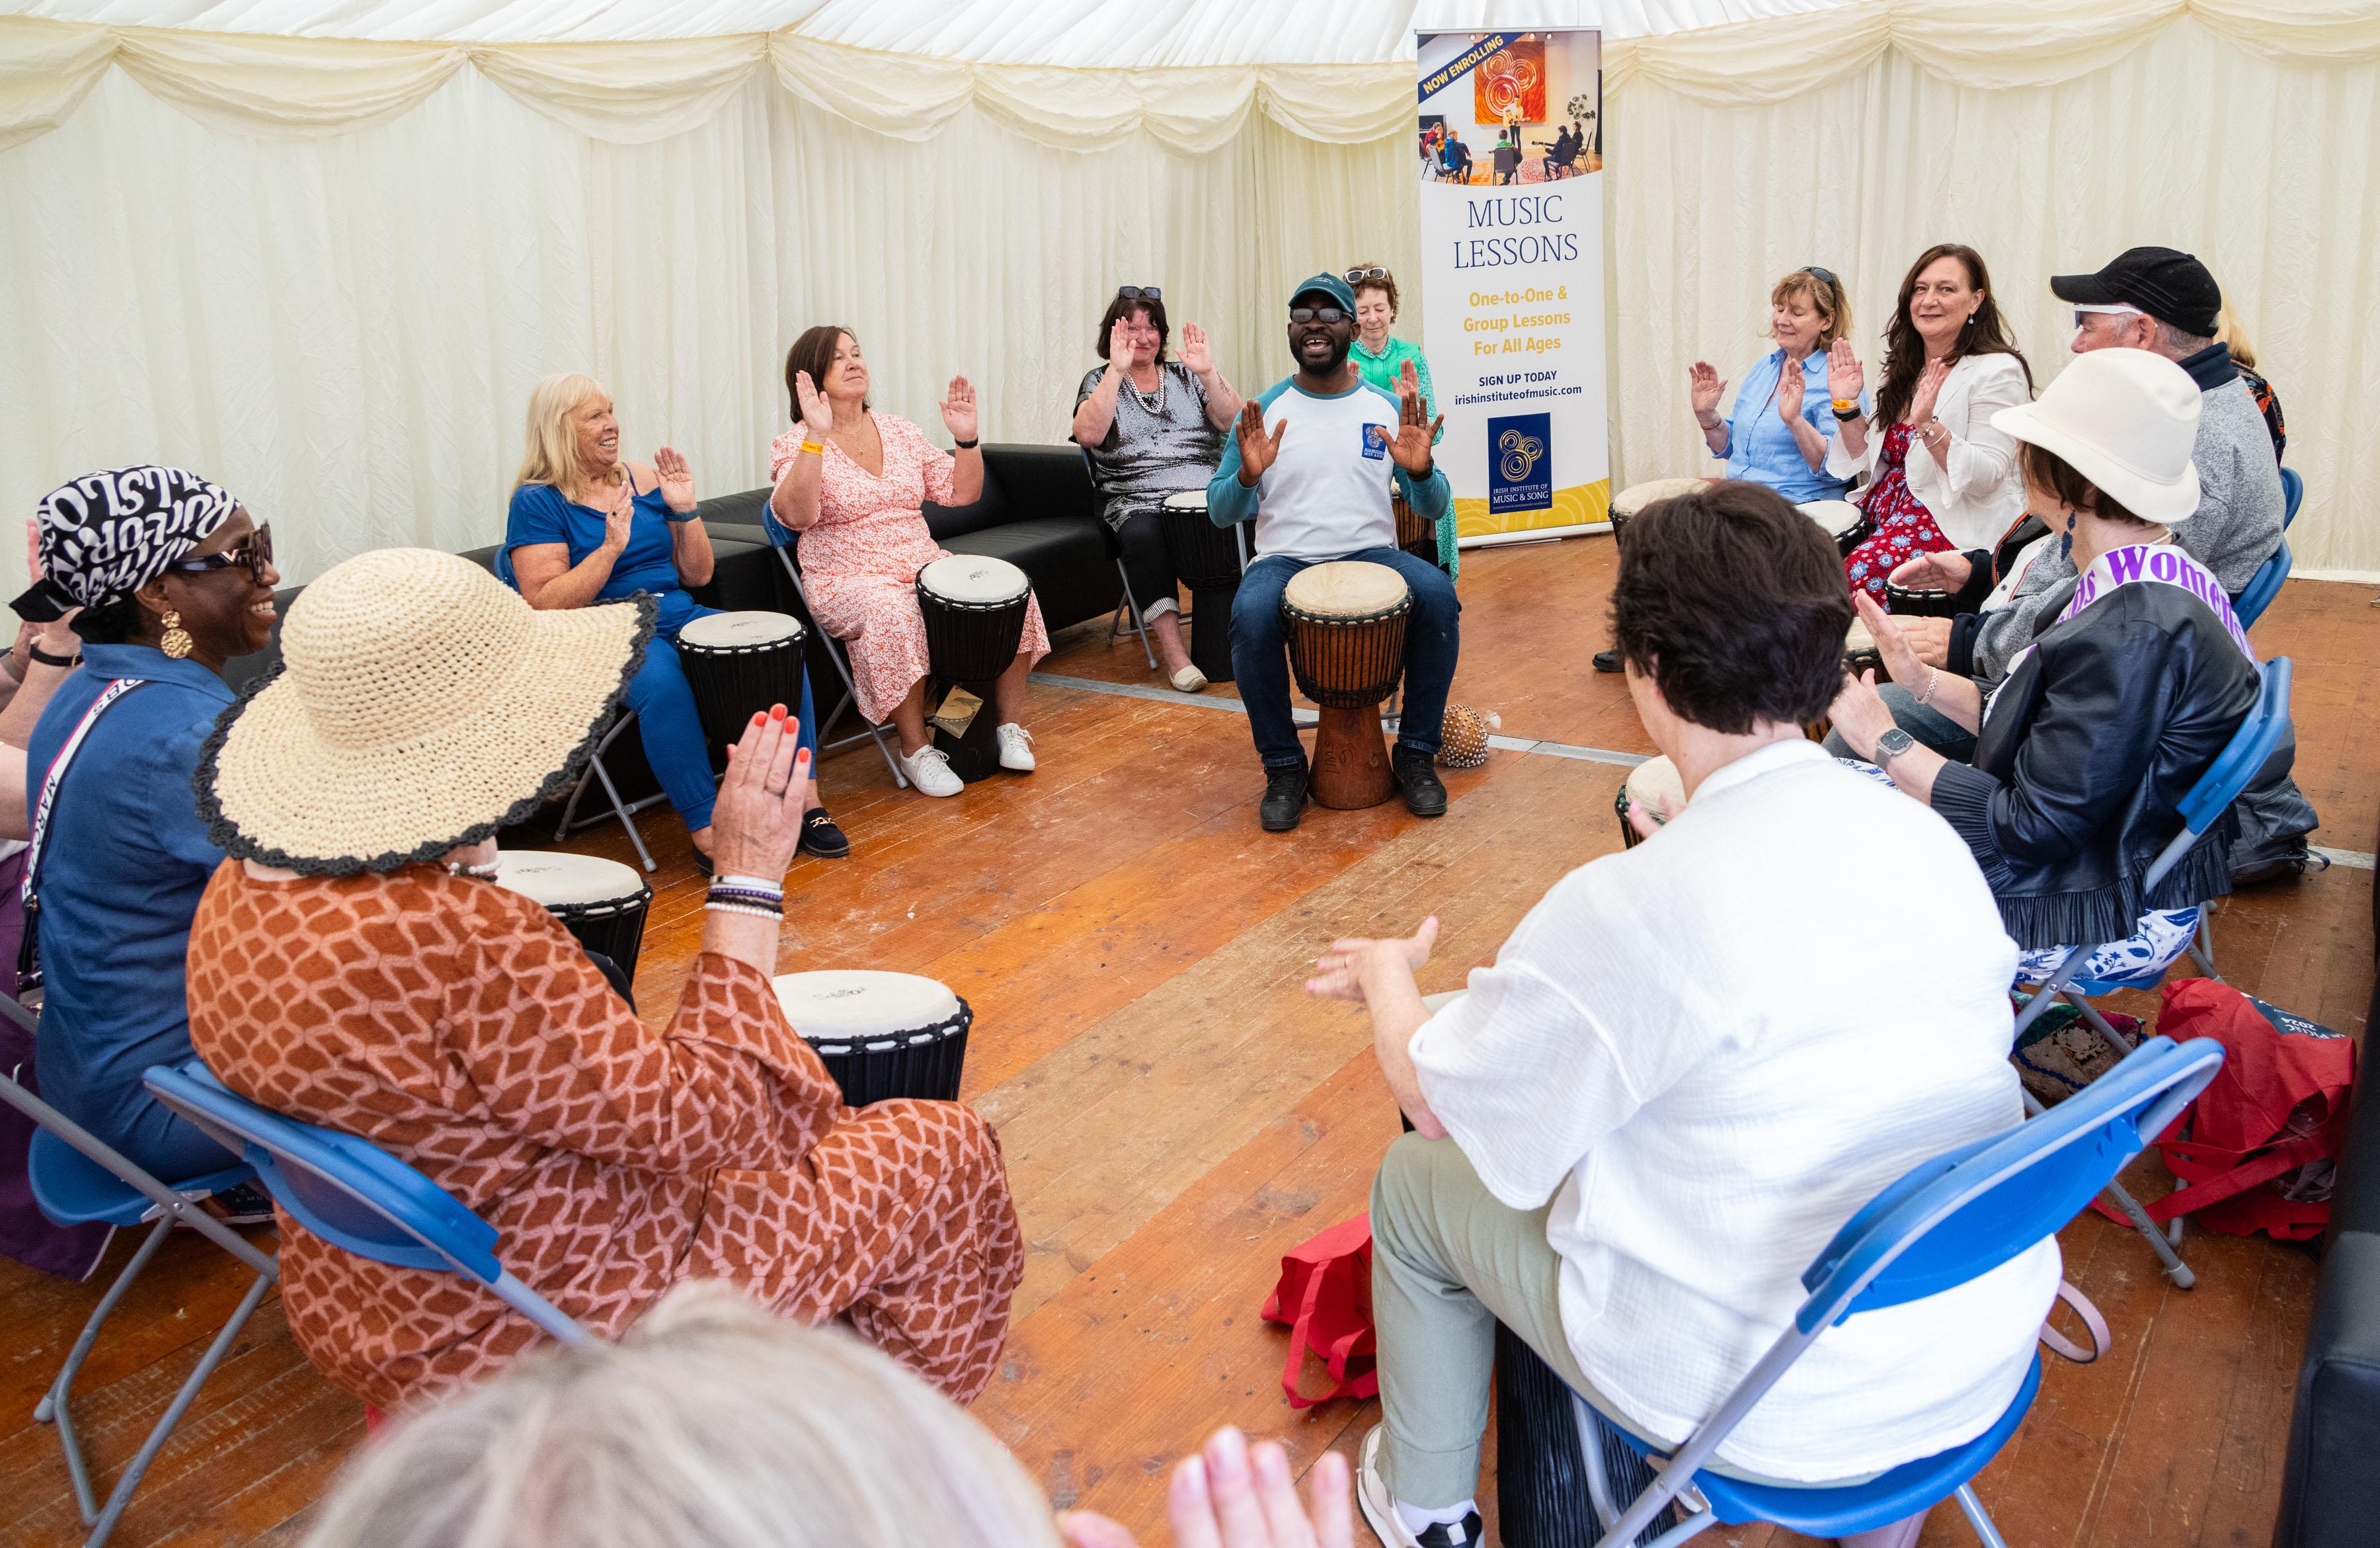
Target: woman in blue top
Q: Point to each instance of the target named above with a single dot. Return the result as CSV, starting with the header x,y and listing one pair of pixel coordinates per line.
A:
x,y
1783,422
587,528
173,580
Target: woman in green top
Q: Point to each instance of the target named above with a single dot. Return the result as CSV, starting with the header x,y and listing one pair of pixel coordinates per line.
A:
x,y
1380,361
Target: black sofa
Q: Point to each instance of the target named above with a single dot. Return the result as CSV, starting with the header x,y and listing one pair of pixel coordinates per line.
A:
x,y
2330,1489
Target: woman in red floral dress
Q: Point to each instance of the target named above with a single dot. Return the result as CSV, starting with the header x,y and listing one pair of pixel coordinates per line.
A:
x,y
854,483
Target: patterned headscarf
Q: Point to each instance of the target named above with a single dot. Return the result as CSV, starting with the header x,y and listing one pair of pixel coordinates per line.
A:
x,y
106,535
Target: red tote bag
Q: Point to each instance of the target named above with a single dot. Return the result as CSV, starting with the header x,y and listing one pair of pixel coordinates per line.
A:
x,y
1324,1296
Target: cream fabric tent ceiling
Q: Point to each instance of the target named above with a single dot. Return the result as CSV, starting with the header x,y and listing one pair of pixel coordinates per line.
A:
x,y
320,250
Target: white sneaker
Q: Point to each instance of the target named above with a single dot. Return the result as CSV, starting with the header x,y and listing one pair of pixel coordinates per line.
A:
x,y
1380,1507
930,770
1016,747
1189,680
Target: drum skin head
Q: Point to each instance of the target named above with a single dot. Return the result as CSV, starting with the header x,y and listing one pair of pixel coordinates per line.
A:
x,y
1857,641
1637,496
553,878
1654,782
1346,589
1186,500
856,1004
723,631
974,577
1837,516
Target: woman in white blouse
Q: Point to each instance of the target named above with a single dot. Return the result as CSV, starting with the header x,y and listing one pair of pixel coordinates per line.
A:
x,y
1938,475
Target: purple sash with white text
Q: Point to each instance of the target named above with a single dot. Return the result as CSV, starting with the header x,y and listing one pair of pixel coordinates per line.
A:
x,y
2160,564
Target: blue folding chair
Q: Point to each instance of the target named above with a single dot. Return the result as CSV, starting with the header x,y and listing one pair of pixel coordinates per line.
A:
x,y
2292,495
353,1194
2263,587
2240,761
79,1179
1944,1222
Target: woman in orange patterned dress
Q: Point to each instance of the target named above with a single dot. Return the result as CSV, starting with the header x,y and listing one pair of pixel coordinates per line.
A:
x,y
854,483
351,964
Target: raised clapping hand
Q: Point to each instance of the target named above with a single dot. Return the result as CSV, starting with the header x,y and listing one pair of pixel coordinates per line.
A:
x,y
817,417
1415,428
619,513
1236,1495
1789,392
1195,354
1846,379
1929,389
678,478
1946,572
958,409
1704,389
1257,450
1119,347
1892,641
757,820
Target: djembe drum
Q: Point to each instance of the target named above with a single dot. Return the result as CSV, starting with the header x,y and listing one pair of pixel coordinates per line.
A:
x,y
1637,496
880,1035
1840,520
1655,785
739,665
1206,558
973,607
1860,653
1416,536
1346,627
1908,602
601,902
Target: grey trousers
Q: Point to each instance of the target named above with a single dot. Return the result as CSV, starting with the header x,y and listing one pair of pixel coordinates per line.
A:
x,y
1449,1262
1930,727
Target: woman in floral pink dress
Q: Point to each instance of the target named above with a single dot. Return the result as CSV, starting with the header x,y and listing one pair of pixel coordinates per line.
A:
x,y
854,483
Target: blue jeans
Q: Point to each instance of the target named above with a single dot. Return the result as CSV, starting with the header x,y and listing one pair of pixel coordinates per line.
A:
x,y
1260,657
1930,727
671,730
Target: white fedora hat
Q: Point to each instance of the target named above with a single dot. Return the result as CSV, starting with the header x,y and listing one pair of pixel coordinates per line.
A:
x,y
2127,421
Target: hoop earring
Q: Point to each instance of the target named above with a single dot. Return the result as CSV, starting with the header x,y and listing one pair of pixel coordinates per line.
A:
x,y
176,642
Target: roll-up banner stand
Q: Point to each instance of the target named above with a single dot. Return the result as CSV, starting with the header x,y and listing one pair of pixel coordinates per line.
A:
x,y
1512,240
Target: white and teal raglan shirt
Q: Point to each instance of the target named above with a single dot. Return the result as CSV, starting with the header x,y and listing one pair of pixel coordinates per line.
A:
x,y
1326,495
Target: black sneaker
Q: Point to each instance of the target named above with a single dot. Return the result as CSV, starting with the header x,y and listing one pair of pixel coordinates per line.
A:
x,y
1284,799
822,838
1425,794
1607,661
244,1205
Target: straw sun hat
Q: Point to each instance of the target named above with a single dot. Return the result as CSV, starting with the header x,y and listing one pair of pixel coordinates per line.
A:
x,y
421,704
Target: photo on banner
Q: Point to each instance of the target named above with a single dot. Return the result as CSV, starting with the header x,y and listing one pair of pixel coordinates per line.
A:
x,y
1510,142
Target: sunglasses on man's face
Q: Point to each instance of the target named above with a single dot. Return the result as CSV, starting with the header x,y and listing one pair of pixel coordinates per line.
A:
x,y
255,556
1139,293
1317,314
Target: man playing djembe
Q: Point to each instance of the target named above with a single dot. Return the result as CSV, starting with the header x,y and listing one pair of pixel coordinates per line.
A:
x,y
1312,462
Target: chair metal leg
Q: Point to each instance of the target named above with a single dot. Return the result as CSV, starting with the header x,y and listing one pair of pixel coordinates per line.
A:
x,y
824,730
121,1495
2100,1023
1590,1451
1139,624
2202,946
2158,1242
57,1404
1978,1517
622,812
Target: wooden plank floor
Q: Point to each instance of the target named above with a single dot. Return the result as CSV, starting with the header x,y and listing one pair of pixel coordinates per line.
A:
x,y
1177,1114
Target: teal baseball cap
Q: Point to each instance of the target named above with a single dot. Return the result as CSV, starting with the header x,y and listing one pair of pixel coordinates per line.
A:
x,y
1327,285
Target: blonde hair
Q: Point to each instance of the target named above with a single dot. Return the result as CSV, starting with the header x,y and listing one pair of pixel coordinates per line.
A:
x,y
711,1424
2233,337
1828,298
552,456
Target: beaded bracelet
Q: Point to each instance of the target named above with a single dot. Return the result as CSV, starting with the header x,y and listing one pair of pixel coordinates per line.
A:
x,y
745,900
750,883
745,908
484,873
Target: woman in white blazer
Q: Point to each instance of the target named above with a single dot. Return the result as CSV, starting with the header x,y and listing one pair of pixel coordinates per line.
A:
x,y
1937,475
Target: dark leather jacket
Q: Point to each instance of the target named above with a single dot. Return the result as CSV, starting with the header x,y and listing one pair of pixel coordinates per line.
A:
x,y
2085,756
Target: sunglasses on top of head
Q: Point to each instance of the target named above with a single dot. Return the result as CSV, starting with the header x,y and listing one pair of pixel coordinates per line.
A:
x,y
255,556
1825,275
1357,277
1139,293
1317,314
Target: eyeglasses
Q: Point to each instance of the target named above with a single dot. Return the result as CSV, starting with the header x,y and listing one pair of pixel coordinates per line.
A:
x,y
2113,309
1317,314
1815,273
255,556
1138,293
1357,277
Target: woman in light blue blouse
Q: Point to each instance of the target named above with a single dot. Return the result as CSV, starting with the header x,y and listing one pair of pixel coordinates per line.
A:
x,y
588,527
1782,421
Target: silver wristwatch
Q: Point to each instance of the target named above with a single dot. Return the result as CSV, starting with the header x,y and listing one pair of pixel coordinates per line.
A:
x,y
1891,745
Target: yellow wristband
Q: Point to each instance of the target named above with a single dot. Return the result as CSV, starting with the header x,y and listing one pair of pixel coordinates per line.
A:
x,y
815,448
1846,405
